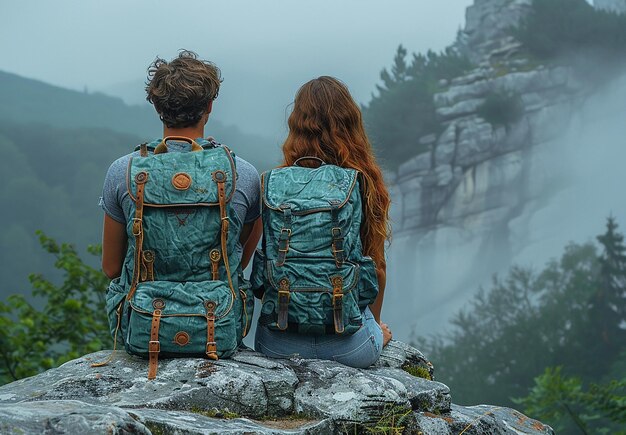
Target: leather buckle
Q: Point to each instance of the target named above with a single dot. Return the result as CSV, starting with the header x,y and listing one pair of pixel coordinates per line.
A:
x,y
154,346
283,294
137,224
283,246
336,231
337,299
335,250
225,224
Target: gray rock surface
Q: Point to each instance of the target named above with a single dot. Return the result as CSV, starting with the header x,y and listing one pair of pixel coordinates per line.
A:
x,y
243,395
474,420
487,27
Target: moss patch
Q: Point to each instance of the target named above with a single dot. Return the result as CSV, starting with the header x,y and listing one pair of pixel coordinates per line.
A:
x,y
216,413
418,371
155,428
394,421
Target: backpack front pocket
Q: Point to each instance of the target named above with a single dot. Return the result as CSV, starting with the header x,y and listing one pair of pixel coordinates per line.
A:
x,y
182,318
313,296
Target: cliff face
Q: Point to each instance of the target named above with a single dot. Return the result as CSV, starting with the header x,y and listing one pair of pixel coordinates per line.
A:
x,y
248,394
487,27
489,195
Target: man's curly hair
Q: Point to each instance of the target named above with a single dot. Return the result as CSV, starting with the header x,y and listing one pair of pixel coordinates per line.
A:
x,y
182,89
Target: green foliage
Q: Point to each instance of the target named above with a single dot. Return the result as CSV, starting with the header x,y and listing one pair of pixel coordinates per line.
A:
x,y
569,314
608,305
557,28
404,109
393,421
563,401
65,322
216,413
417,371
501,108
51,180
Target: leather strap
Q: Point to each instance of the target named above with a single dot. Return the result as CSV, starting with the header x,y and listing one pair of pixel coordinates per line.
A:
x,y
283,304
162,147
220,178
118,312
337,238
285,234
244,298
148,263
215,258
154,346
338,304
140,179
211,345
143,149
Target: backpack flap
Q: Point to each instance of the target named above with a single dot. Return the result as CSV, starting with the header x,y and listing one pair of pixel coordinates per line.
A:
x,y
179,179
308,190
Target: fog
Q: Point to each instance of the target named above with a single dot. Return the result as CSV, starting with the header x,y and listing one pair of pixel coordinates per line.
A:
x,y
581,176
265,49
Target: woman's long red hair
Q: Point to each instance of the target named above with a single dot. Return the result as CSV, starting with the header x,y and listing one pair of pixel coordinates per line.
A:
x,y
327,123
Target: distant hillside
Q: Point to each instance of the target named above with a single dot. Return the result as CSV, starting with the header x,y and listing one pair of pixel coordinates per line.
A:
x,y
28,101
56,145
50,180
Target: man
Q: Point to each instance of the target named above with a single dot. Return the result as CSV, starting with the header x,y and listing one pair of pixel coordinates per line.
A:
x,y
182,92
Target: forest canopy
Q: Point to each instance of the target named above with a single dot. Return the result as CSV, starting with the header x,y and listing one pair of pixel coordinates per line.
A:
x,y
563,327
556,29
403,109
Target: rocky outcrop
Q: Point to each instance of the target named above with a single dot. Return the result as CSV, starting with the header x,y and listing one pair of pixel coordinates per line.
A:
x,y
247,394
462,211
492,193
475,165
488,26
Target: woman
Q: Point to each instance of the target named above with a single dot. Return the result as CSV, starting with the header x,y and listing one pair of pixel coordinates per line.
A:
x,y
326,124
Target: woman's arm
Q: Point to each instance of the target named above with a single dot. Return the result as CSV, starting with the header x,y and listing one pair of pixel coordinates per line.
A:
x,y
114,244
250,235
377,306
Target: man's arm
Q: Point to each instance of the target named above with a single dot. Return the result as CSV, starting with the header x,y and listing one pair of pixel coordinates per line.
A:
x,y
250,235
114,244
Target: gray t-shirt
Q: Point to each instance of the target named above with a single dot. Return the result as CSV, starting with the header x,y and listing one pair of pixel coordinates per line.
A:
x,y
245,200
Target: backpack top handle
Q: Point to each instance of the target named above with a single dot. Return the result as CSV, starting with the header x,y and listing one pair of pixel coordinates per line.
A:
x,y
317,159
162,147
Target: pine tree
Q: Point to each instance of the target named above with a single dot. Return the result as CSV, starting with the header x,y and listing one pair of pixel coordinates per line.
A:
x,y
607,311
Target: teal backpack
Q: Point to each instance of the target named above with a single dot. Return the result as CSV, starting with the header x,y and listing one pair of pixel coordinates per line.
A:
x,y
181,292
311,270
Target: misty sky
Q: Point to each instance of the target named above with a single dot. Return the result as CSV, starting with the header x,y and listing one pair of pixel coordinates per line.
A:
x,y
265,48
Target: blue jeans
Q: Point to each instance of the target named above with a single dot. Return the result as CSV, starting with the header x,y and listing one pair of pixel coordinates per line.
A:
x,y
359,350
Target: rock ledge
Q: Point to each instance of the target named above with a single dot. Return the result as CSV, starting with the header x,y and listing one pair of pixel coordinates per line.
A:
x,y
247,394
